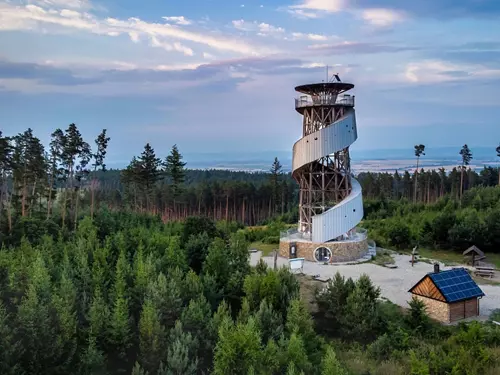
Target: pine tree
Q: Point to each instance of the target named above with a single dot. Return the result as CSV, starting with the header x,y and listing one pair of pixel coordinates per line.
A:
x,y
29,170
6,164
175,256
55,172
167,297
92,360
149,172
102,145
181,356
151,337
419,151
330,365
238,348
466,154
74,147
276,172
131,179
64,305
175,171
10,348
98,317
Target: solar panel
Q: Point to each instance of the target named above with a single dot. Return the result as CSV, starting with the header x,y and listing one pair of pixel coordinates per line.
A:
x,y
456,285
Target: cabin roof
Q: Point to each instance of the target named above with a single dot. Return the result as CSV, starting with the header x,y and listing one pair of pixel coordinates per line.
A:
x,y
455,285
474,249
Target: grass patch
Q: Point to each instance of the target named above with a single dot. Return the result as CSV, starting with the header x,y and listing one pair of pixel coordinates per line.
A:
x,y
382,258
450,257
264,247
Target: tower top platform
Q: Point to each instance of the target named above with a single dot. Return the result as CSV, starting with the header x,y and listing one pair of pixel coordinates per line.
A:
x,y
325,87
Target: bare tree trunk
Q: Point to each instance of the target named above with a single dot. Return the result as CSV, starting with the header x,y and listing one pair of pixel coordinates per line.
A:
x,y
461,181
63,213
23,199
227,207
92,199
49,202
243,212
9,211
77,199
32,199
416,183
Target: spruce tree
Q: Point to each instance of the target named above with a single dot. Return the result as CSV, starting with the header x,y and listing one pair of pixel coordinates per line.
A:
x,y
181,356
174,168
419,151
98,164
149,172
275,179
29,170
74,148
330,365
6,164
151,337
10,348
466,155
57,143
98,318
92,360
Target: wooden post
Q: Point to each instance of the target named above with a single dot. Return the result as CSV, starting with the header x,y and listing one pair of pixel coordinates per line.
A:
x,y
275,260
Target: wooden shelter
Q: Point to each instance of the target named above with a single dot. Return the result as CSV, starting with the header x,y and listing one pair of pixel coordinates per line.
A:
x,y
476,253
448,295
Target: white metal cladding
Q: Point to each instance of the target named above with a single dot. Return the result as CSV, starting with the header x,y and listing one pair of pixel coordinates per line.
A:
x,y
326,141
348,213
341,218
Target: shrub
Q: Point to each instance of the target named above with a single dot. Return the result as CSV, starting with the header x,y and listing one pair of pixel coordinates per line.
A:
x,y
271,240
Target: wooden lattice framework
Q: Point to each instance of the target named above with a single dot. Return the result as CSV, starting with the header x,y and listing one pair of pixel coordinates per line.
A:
x,y
326,181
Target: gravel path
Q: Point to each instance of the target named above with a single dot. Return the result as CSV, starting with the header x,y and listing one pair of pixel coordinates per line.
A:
x,y
394,283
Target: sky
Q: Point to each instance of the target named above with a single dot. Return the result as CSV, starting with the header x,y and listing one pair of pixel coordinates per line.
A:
x,y
218,76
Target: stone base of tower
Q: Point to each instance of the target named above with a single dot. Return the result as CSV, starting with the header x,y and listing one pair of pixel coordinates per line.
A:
x,y
341,251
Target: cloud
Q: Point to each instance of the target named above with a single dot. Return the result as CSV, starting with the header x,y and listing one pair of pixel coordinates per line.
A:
x,y
302,14
36,18
442,9
330,6
171,47
119,80
302,36
437,71
262,28
358,48
65,4
179,20
380,17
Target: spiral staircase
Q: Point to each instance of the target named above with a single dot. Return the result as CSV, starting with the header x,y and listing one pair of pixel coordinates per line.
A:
x,y
330,201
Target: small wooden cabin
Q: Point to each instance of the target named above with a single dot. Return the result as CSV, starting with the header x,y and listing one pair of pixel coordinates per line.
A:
x,y
448,295
476,254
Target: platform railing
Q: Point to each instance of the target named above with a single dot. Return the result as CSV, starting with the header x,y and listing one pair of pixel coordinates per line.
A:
x,y
308,101
357,234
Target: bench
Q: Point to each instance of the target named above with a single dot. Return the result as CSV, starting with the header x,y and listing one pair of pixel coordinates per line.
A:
x,y
485,272
296,265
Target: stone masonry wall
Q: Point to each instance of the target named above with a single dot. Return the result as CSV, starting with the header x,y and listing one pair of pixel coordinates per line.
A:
x,y
341,251
436,309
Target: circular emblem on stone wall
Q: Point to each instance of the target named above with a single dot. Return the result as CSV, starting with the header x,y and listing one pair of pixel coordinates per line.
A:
x,y
322,254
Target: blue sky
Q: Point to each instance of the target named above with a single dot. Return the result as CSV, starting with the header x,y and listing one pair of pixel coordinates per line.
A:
x,y
218,75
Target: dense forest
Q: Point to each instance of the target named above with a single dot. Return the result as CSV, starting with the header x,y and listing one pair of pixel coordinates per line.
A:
x,y
125,293
71,174
146,270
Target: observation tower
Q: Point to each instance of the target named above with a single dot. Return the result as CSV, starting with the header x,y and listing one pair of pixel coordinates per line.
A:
x,y
330,201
